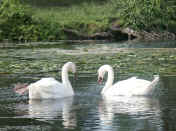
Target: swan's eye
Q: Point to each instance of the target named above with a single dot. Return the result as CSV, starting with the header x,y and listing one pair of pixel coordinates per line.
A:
x,y
100,79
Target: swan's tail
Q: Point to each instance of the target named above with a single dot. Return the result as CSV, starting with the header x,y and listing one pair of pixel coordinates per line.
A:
x,y
154,82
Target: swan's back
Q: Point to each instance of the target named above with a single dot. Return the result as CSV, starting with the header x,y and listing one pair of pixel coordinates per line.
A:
x,y
48,88
130,87
47,82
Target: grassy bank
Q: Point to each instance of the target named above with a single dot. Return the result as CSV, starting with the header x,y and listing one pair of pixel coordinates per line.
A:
x,y
46,20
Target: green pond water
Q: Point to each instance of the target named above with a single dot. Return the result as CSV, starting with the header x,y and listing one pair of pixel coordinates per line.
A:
x,y
88,110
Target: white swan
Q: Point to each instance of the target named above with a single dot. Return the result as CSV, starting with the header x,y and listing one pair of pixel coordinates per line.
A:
x,y
129,87
49,88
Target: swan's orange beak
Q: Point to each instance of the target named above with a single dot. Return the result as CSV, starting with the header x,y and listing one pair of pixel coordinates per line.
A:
x,y
100,79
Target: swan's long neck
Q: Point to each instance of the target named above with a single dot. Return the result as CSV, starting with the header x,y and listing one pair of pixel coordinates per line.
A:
x,y
154,82
110,78
65,79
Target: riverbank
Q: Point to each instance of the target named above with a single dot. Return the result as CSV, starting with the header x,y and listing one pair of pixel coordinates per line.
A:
x,y
86,20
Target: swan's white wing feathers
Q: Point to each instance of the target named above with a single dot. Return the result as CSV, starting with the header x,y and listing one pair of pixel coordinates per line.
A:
x,y
48,88
129,87
46,82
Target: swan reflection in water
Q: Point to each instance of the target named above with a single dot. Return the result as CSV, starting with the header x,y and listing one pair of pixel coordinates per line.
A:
x,y
136,112
53,109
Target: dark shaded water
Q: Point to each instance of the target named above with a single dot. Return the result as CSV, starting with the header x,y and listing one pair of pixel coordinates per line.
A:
x,y
87,110
92,44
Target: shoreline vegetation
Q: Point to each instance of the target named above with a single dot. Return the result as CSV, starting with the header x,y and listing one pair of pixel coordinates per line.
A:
x,y
113,20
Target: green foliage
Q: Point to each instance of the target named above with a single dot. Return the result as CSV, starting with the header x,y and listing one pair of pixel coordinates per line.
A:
x,y
17,24
16,20
86,18
146,14
9,8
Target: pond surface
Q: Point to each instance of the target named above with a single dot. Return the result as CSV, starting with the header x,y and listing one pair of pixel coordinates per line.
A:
x,y
88,110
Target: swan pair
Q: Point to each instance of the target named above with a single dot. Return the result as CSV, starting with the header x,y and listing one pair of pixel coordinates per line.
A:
x,y
49,88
